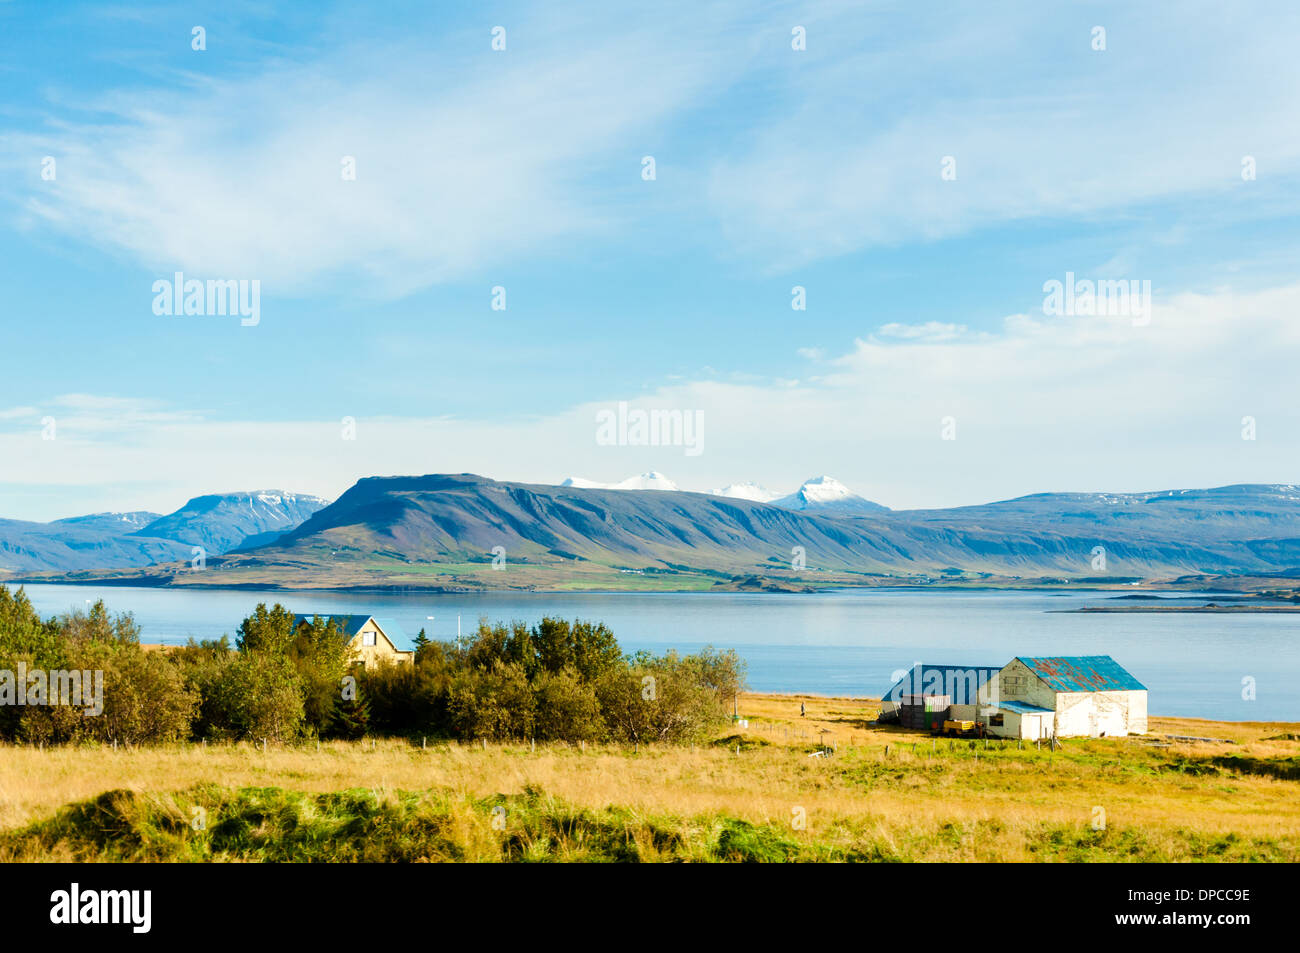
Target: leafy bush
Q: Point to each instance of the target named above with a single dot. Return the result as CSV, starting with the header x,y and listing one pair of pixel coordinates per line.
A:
x,y
143,699
255,695
567,708
556,680
496,704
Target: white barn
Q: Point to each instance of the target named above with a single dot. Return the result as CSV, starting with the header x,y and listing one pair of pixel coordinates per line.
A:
x,y
1081,696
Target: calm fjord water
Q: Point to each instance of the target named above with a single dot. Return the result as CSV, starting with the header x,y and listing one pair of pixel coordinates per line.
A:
x,y
841,642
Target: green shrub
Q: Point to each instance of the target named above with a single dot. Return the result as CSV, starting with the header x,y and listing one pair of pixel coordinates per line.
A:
x,y
145,699
567,708
495,705
556,680
256,695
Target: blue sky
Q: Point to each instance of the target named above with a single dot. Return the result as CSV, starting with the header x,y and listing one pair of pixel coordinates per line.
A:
x,y
522,168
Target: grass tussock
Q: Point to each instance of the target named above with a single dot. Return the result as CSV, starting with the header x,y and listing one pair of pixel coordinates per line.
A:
x,y
880,795
362,825
271,824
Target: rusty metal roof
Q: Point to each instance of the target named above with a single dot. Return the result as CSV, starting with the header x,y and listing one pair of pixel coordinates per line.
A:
x,y
1083,673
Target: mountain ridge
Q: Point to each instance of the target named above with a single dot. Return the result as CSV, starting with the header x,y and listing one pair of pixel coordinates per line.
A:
x,y
141,538
393,530
451,530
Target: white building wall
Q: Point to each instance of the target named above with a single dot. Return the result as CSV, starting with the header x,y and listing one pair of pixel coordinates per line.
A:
x,y
1137,713
1017,683
1010,727
1091,714
1026,725
1034,727
1078,714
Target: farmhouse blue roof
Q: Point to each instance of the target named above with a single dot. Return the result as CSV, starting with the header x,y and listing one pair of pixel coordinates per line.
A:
x,y
392,630
350,624
1083,673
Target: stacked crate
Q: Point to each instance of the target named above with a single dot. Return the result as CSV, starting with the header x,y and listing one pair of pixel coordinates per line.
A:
x,y
920,712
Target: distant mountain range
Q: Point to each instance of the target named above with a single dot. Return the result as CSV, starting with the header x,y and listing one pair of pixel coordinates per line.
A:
x,y
218,523
468,531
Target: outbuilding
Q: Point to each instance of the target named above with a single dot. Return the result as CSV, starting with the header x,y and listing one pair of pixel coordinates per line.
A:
x,y
1079,696
939,690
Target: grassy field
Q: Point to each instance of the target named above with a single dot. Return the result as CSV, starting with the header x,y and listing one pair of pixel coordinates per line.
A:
x,y
882,794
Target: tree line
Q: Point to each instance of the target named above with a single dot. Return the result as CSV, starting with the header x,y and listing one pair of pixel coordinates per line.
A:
x,y
555,680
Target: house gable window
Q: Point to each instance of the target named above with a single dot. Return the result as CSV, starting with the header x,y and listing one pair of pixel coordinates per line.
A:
x,y
367,638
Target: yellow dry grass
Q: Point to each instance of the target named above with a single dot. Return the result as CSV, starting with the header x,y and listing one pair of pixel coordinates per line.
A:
x,y
987,801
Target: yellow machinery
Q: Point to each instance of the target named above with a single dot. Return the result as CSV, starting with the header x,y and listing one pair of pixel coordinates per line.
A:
x,y
958,727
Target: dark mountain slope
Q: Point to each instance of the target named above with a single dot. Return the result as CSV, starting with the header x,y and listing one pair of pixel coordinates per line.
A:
x,y
454,517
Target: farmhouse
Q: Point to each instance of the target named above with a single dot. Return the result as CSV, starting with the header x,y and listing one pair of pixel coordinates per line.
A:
x,y
372,640
1063,697
1087,696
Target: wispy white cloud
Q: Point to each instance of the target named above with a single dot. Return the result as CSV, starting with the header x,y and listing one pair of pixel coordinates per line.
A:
x,y
1045,404
469,159
465,158
929,331
1036,124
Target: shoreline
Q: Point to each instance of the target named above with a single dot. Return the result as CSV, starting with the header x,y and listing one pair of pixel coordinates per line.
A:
x,y
1054,586
1254,608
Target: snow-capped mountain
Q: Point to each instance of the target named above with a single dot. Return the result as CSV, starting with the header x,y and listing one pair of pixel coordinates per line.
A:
x,y
653,480
747,491
826,494
225,521
218,523
112,522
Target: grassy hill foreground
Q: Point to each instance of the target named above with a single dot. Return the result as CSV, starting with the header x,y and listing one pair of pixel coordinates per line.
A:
x,y
761,794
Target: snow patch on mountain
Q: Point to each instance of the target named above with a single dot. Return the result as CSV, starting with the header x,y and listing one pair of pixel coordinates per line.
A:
x,y
653,480
746,491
